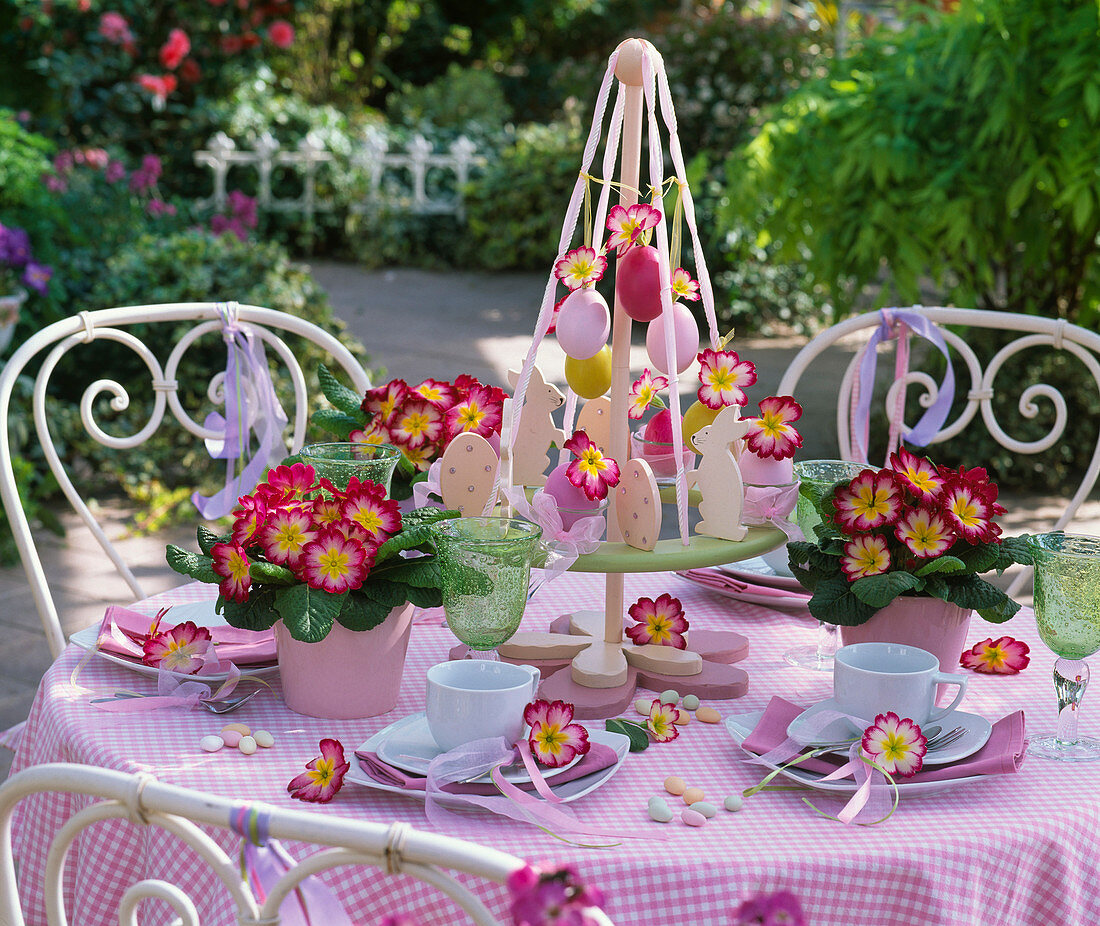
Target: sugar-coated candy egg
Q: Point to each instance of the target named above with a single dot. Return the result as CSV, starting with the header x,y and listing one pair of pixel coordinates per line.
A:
x,y
232,738
675,785
247,745
638,283
708,715
670,696
693,817
691,795
212,743
734,802
589,378
685,333
683,718
263,739
691,702
661,812
707,810
239,727
584,322
642,706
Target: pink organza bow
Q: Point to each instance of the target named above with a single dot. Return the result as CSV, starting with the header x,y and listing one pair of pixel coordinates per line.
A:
x,y
565,546
772,505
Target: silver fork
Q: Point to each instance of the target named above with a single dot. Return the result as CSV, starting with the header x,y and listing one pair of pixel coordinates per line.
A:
x,y
937,740
225,705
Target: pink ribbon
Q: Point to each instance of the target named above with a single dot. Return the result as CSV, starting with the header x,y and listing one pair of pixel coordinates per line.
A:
x,y
566,546
430,486
771,505
171,693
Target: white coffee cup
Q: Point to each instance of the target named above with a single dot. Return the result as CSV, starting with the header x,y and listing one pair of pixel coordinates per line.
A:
x,y
473,699
873,678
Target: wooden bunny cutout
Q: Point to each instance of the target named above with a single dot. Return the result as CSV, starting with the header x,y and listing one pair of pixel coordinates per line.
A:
x,y
718,476
537,430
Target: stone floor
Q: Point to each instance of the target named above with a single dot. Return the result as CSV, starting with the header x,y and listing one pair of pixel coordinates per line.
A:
x,y
418,324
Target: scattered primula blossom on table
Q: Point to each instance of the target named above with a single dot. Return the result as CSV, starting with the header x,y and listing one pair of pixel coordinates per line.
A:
x,y
724,376
662,721
1003,656
773,434
643,393
628,223
182,648
779,909
591,471
895,744
554,739
581,267
661,622
551,897
323,777
684,286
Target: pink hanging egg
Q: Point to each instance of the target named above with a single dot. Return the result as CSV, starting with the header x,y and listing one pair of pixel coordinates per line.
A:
x,y
584,322
573,504
638,284
686,332
764,471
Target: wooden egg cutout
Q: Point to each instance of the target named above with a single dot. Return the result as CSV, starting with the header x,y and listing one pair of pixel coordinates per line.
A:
x,y
638,505
595,421
468,471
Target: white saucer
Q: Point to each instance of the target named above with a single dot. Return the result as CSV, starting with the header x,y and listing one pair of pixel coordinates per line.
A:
x,y
568,790
756,570
408,744
976,736
741,725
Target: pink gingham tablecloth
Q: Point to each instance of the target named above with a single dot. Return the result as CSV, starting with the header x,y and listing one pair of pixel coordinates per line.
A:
x,y
1018,849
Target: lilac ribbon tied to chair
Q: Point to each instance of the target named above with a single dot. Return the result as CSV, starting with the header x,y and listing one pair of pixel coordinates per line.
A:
x,y
897,323
250,406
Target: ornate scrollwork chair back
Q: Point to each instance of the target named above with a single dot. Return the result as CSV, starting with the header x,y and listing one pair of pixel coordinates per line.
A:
x,y
973,380
47,348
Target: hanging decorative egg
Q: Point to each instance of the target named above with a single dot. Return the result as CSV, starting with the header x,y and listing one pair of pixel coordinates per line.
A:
x,y
638,283
584,322
685,331
589,378
573,504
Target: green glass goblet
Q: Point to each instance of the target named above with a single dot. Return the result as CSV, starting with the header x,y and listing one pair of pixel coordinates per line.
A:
x,y
338,462
817,478
1067,611
486,569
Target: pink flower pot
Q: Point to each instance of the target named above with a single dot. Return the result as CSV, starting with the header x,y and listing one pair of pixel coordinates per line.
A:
x,y
929,623
349,674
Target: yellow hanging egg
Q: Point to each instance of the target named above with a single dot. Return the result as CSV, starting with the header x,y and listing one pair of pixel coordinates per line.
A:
x,y
589,378
696,417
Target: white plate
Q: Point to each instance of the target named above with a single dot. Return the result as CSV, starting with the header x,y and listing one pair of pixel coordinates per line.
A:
x,y
978,730
566,790
201,613
741,725
408,744
756,570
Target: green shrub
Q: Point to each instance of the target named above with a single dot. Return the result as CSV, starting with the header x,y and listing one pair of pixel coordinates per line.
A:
x,y
963,148
467,101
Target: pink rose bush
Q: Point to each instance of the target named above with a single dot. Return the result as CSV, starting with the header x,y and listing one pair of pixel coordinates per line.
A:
x,y
910,529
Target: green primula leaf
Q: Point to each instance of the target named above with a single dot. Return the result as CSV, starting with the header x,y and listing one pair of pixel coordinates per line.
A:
x,y
834,602
421,571
424,597
939,565
427,515
1018,548
265,573
195,565
336,422
390,594
340,396
308,613
975,593
635,732
207,539
361,613
879,591
979,558
1000,612
409,539
258,613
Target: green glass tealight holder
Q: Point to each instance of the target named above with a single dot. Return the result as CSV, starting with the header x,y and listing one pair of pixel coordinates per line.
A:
x,y
339,461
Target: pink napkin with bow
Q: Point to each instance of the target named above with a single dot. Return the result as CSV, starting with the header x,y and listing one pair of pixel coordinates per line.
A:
x,y
241,647
1003,754
598,758
718,580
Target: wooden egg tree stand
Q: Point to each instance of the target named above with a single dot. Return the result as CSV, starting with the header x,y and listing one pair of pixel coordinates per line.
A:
x,y
604,668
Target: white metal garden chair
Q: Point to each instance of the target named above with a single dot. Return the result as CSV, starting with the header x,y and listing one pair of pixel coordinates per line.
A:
x,y
192,816
56,340
975,382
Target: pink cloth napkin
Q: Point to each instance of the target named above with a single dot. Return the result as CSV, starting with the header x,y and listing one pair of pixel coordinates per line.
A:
x,y
598,758
241,647
1004,753
714,578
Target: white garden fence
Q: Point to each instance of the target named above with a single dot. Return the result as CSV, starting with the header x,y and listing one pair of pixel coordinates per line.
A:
x,y
396,180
